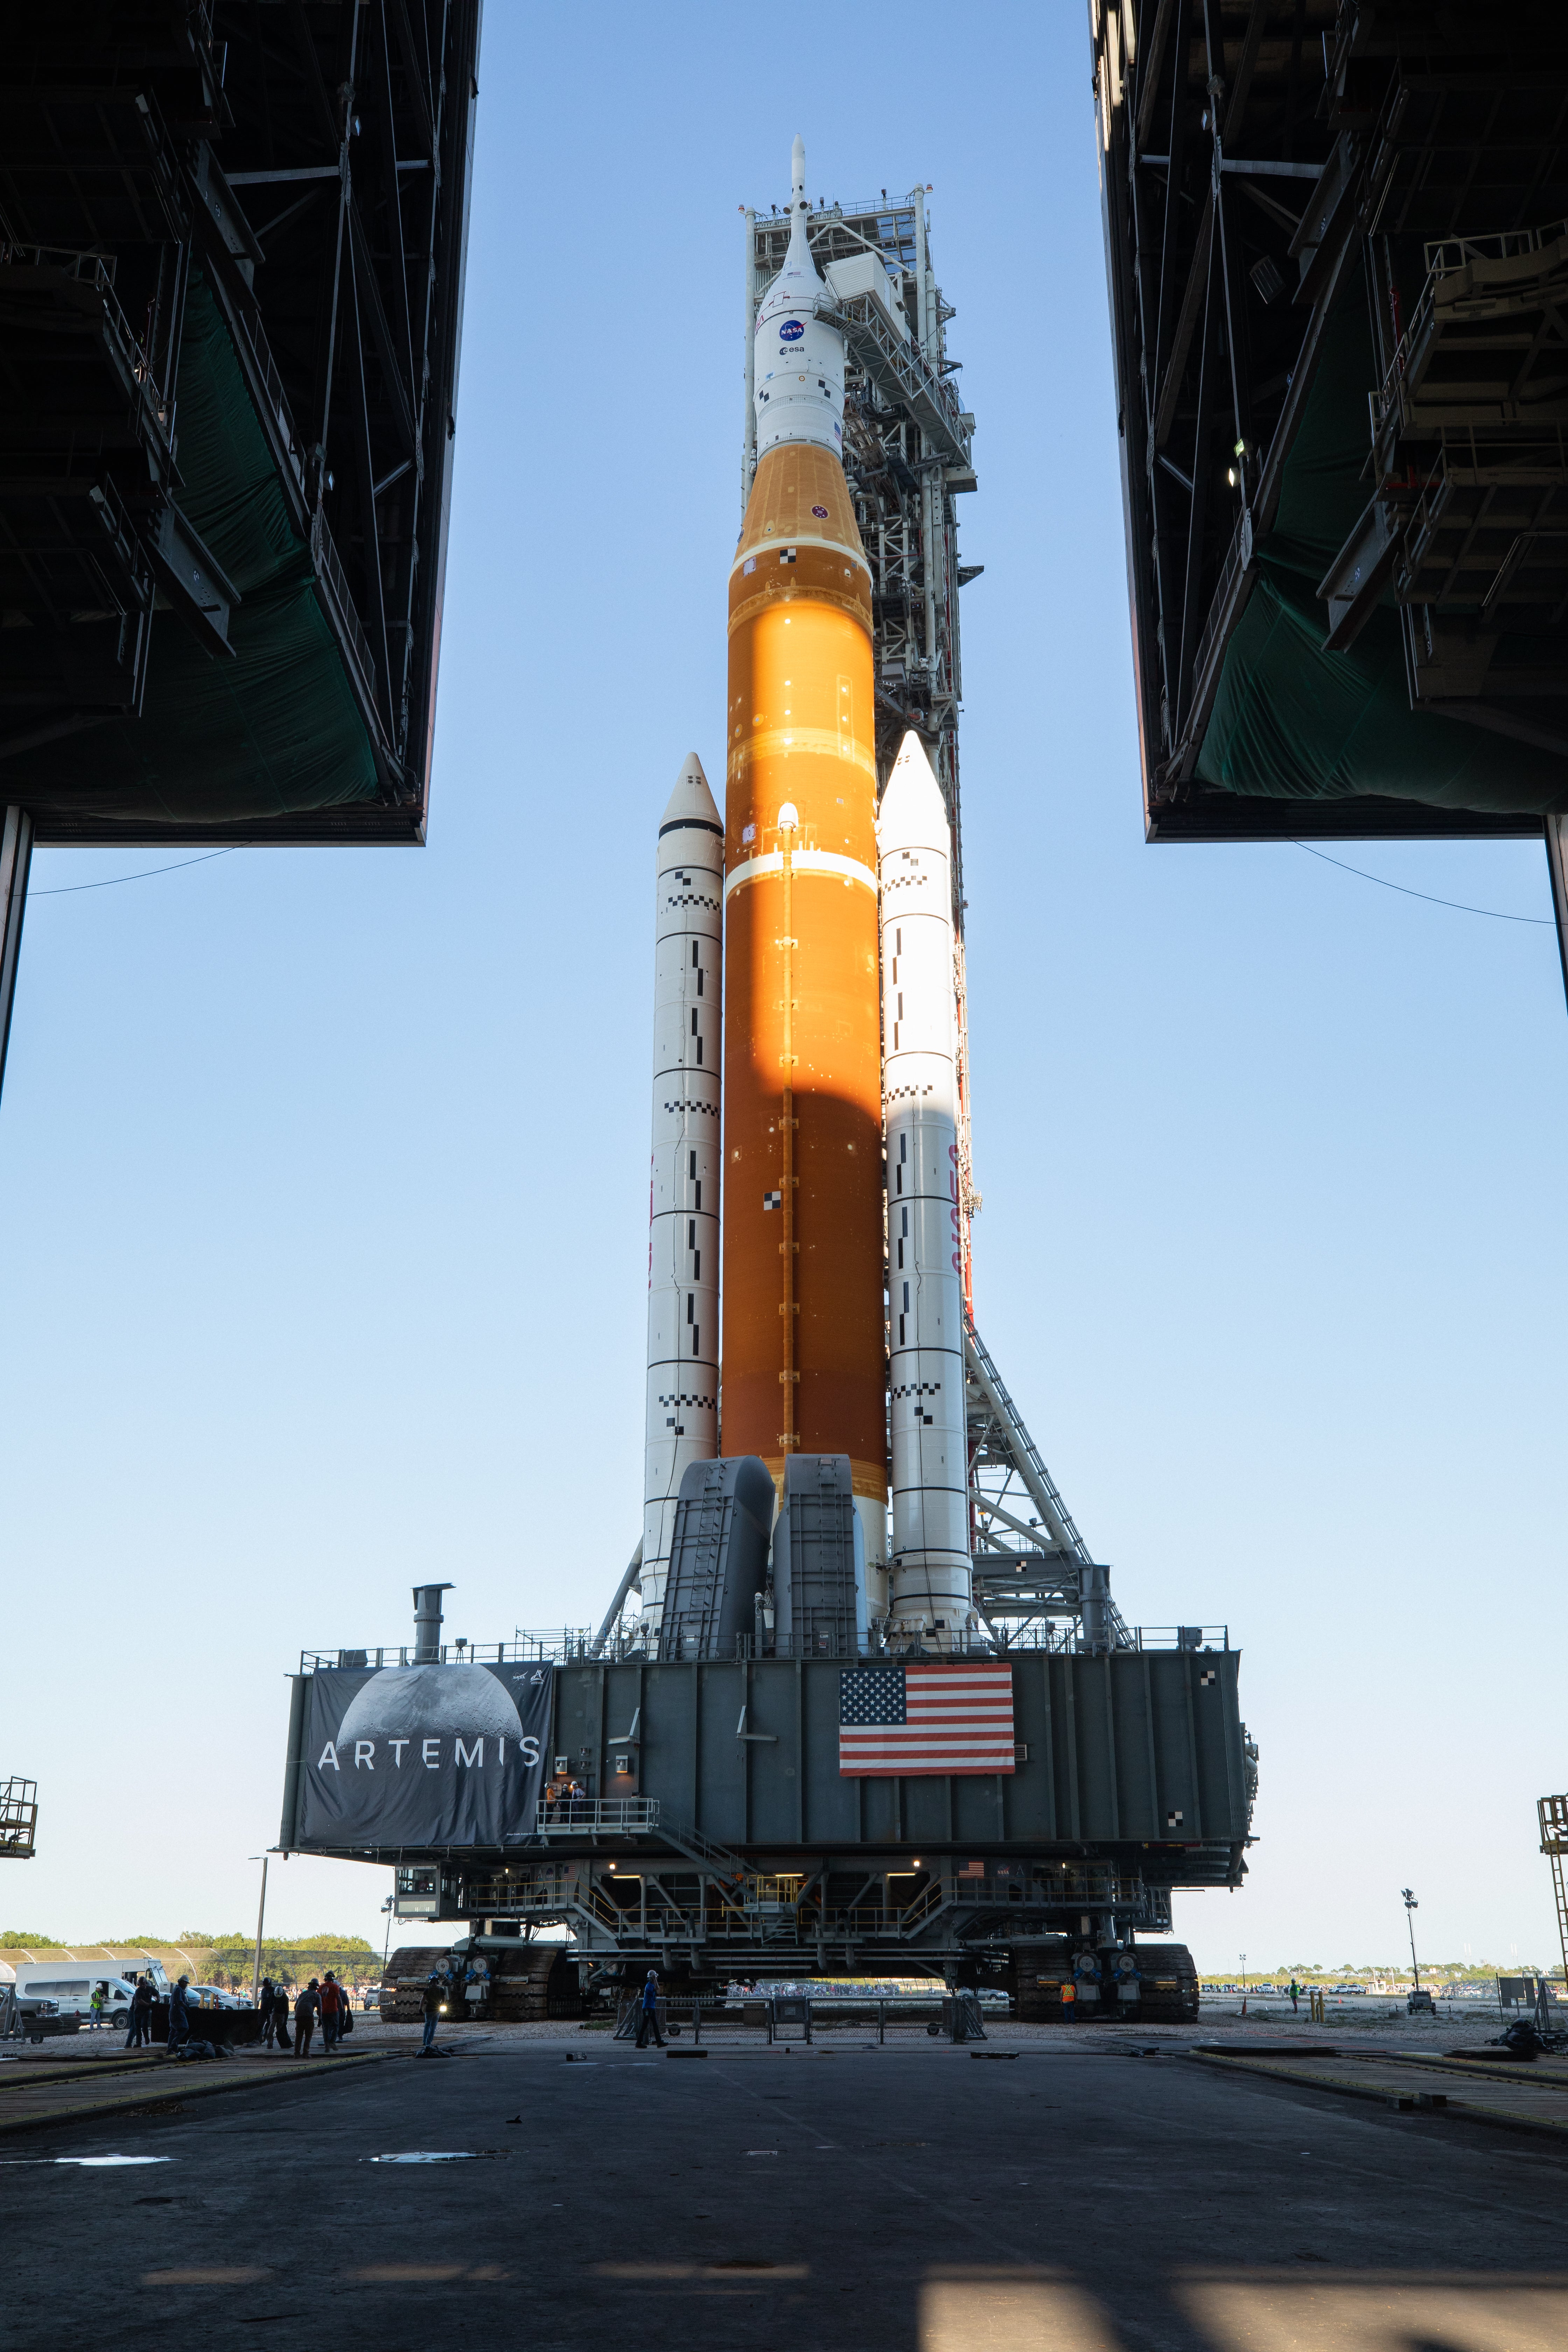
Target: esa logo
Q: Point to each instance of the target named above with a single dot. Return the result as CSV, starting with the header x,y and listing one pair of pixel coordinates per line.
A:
x,y
791,331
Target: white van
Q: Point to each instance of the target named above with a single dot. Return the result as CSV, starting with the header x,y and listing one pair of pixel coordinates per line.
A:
x,y
70,1985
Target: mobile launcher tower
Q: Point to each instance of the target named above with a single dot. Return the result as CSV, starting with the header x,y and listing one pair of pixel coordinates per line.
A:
x,y
874,1706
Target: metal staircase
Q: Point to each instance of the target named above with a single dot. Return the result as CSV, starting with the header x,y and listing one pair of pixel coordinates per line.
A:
x,y
705,1851
1046,1571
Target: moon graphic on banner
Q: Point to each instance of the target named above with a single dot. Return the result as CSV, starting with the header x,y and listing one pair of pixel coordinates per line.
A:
x,y
419,1701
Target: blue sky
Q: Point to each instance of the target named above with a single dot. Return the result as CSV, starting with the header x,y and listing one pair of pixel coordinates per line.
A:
x,y
324,1174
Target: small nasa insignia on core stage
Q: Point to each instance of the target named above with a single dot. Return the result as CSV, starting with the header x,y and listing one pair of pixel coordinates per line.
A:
x,y
820,512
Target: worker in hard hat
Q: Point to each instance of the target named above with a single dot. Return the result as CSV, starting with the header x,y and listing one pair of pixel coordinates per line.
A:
x,y
433,2005
179,2017
647,2022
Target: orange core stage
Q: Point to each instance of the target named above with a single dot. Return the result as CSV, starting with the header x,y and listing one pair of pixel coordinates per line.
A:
x,y
804,1365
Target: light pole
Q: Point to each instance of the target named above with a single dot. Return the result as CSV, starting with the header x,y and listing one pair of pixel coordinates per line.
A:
x,y
260,1917
1411,1907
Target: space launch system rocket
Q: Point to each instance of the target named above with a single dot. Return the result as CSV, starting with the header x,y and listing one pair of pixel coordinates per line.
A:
x,y
802,1331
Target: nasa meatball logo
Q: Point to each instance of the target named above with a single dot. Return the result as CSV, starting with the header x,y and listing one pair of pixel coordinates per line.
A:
x,y
791,331
820,512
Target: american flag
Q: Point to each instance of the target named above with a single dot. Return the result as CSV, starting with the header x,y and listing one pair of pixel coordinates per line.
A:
x,y
925,1720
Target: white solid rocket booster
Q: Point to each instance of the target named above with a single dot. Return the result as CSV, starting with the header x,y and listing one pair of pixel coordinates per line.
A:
x,y
683,1196
931,1587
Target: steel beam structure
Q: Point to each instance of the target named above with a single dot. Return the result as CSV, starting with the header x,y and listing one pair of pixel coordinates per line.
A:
x,y
18,1819
1270,171
308,166
1053,1577
719,1915
1557,866
15,856
1552,1816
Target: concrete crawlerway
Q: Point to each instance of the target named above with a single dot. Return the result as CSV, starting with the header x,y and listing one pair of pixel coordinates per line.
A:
x,y
85,2086
1070,2199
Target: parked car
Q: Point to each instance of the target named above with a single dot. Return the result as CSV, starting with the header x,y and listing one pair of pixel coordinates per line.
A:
x,y
71,1994
214,1997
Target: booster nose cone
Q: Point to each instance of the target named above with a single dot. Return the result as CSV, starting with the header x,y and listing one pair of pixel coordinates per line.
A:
x,y
690,803
912,814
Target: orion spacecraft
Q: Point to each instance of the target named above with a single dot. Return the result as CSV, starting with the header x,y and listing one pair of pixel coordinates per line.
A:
x,y
806,1299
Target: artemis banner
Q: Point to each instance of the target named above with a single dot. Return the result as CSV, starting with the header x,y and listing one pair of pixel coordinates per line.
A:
x,y
423,1755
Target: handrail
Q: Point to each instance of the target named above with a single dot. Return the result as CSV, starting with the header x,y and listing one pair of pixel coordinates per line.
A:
x,y
323,550
18,1818
551,1646
324,554
697,1848
1446,254
574,1647
936,1897
1237,557
902,371
1444,257
97,270
603,1816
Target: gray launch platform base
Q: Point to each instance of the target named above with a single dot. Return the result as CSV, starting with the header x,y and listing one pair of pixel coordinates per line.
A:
x,y
714,1834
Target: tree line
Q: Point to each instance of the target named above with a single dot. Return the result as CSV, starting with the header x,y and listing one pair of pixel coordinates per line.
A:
x,y
226,1961
230,1961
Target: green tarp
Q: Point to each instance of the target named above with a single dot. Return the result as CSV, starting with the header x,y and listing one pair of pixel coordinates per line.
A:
x,y
1293,723
274,732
